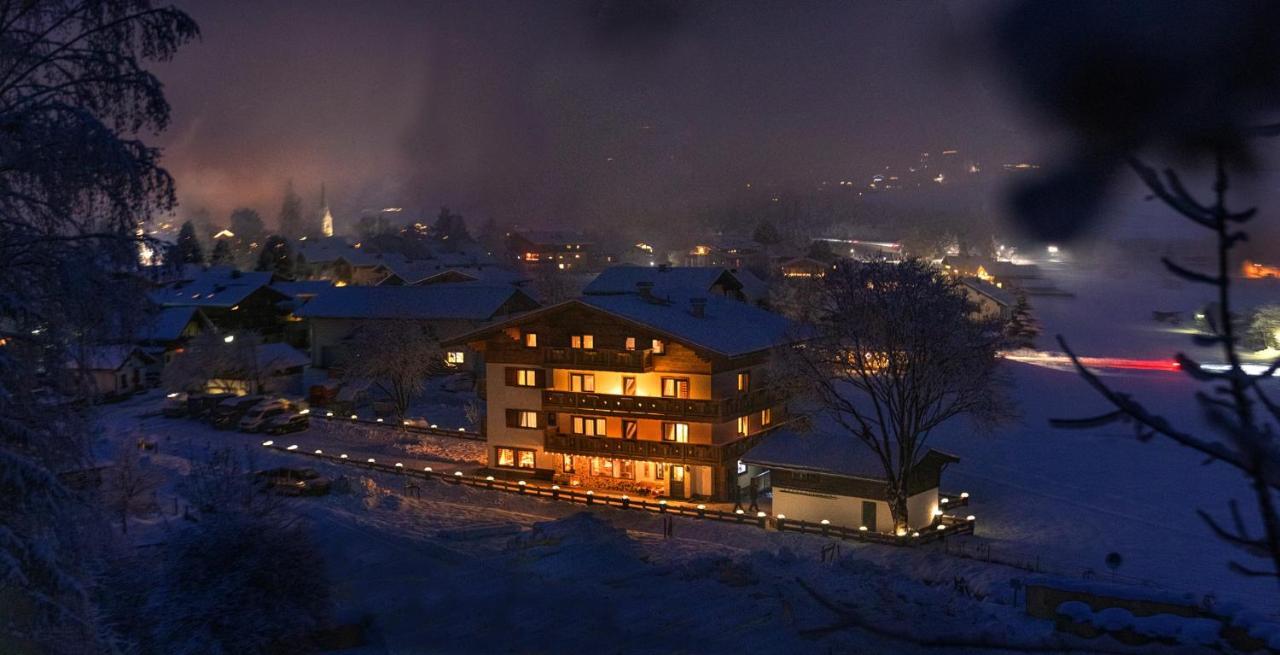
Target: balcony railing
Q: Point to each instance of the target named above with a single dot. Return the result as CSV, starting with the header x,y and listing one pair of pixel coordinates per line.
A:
x,y
601,359
657,451
614,447
715,410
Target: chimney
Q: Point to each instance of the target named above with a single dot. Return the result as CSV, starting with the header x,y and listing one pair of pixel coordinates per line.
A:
x,y
698,307
645,288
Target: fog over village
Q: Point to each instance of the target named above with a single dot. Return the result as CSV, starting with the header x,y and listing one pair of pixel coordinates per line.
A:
x,y
639,326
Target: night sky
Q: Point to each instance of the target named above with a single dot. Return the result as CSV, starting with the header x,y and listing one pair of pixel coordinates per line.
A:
x,y
580,112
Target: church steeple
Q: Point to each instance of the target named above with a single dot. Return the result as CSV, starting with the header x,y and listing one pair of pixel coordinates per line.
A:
x,y
326,217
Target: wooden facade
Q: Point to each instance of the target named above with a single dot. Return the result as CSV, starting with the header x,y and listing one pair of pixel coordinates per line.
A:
x,y
603,399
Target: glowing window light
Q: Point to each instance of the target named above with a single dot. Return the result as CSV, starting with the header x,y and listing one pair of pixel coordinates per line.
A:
x,y
319,452
292,447
268,442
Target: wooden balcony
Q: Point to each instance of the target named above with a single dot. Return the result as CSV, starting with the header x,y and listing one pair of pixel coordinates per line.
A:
x,y
614,447
688,409
599,359
646,450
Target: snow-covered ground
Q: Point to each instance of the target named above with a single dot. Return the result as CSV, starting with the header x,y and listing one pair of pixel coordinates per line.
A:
x,y
433,582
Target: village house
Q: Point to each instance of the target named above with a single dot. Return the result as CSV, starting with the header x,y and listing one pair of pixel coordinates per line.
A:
x,y
631,391
819,475
446,309
993,302
664,280
804,267
555,250
109,371
232,300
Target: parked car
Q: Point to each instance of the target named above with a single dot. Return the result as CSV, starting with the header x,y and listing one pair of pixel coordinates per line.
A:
x,y
175,405
286,423
294,482
227,415
200,404
256,418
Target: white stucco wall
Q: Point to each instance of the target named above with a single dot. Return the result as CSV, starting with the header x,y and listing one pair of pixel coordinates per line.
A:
x,y
846,511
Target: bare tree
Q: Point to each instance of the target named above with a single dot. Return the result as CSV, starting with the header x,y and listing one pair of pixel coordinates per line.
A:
x,y
895,355
213,363
1195,84
130,481
396,358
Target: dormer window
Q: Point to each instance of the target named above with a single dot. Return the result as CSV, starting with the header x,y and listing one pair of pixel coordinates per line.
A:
x,y
530,339
631,343
658,347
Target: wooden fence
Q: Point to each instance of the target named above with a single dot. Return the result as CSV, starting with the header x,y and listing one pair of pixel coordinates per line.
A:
x,y
945,526
399,426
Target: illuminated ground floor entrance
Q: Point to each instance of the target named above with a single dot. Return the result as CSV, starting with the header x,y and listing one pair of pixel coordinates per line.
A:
x,y
640,477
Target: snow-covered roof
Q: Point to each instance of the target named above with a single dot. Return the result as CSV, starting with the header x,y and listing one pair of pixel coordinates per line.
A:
x,y
990,290
431,302
108,358
822,449
169,323
217,286
325,249
302,287
276,357
728,327
423,270
665,279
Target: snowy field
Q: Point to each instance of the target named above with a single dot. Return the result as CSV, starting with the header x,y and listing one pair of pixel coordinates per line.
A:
x,y
434,584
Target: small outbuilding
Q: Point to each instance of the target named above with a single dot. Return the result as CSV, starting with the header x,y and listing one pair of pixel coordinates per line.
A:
x,y
816,476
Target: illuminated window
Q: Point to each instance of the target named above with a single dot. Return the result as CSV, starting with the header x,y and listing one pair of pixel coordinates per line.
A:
x,y
526,419
530,339
675,387
523,377
516,458
585,341
677,474
628,386
660,471
455,357
587,426
582,382
742,468
658,347
506,457
630,430
766,416
744,382
631,343
743,426
677,432
566,463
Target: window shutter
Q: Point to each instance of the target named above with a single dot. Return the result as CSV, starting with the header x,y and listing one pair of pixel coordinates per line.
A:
x,y
511,376
540,379
513,418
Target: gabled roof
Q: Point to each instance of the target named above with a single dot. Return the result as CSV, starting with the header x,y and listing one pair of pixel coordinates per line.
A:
x,y
727,327
303,287
665,279
277,357
109,358
990,290
824,451
169,323
218,286
432,302
321,250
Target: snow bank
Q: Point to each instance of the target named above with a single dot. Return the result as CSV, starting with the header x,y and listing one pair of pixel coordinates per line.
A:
x,y
582,545
1165,627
